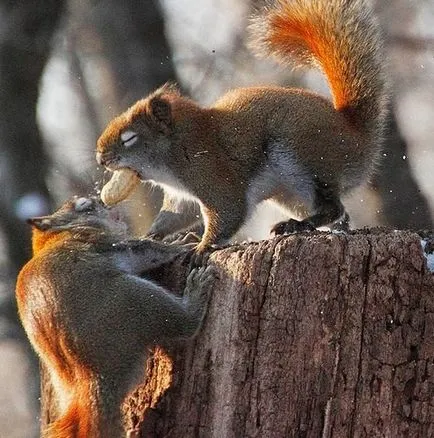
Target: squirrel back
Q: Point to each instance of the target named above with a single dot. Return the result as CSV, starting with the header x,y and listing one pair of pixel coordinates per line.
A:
x,y
341,38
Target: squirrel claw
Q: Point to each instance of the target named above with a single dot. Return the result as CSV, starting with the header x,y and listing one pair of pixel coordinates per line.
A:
x,y
198,285
201,277
154,236
183,238
292,226
199,258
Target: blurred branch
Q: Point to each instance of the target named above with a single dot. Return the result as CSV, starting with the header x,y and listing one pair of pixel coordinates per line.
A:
x,y
411,43
82,89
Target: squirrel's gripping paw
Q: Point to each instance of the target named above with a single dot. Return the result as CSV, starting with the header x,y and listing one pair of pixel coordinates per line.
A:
x,y
183,238
199,283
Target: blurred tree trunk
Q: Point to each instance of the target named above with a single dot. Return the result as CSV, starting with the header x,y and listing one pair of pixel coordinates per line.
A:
x,y
27,30
134,41
306,336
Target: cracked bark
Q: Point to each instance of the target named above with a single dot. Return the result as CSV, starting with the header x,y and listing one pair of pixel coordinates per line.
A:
x,y
305,336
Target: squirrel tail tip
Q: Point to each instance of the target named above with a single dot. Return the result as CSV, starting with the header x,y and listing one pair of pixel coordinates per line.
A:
x,y
72,423
340,37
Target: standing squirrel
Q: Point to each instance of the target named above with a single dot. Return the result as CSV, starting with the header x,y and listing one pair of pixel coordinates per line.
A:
x,y
90,316
287,145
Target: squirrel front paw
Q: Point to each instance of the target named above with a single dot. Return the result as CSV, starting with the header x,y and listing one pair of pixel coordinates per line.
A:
x,y
183,238
154,236
198,286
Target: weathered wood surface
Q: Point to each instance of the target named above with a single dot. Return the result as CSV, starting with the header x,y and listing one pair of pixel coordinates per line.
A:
x,y
320,335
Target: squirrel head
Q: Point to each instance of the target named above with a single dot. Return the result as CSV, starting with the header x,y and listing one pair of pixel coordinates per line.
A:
x,y
140,137
78,217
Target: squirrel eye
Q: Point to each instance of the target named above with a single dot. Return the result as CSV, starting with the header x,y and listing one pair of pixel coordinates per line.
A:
x,y
129,138
83,204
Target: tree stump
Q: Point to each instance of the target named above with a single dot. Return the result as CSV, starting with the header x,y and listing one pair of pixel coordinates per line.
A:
x,y
315,335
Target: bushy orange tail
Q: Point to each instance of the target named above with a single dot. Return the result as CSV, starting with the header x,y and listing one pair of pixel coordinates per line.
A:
x,y
94,411
78,421
66,426
340,37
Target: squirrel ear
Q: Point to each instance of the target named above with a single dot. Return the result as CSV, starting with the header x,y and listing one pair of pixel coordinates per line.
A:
x,y
42,223
161,113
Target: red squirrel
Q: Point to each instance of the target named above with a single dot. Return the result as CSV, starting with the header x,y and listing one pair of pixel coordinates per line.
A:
x,y
287,145
91,316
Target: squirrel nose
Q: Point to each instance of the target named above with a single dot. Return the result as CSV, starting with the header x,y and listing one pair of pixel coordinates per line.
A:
x,y
104,158
99,158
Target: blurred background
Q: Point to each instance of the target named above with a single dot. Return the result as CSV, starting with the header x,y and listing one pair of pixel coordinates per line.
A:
x,y
68,66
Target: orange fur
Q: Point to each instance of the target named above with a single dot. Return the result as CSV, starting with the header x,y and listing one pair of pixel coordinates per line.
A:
x,y
296,35
77,421
42,240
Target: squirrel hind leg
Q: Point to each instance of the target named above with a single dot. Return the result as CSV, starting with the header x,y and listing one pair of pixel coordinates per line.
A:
x,y
328,209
